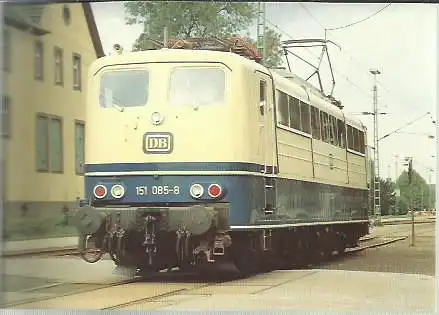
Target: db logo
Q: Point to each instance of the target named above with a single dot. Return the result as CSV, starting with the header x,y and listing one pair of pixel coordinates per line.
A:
x,y
158,143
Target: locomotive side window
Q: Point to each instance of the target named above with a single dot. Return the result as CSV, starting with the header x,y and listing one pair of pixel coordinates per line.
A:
x,y
336,133
294,112
341,134
282,108
356,140
126,88
315,123
361,142
331,130
197,86
324,126
304,117
350,138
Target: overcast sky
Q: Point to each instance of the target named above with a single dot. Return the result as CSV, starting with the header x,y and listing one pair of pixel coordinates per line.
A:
x,y
400,41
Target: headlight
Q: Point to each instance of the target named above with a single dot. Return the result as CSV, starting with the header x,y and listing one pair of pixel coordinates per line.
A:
x,y
117,191
196,191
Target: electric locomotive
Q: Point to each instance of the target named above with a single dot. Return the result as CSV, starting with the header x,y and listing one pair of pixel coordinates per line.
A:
x,y
190,163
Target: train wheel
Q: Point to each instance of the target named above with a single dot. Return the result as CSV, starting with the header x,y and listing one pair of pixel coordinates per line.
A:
x,y
186,267
340,244
245,258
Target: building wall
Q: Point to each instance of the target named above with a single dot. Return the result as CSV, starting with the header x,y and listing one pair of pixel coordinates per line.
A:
x,y
28,97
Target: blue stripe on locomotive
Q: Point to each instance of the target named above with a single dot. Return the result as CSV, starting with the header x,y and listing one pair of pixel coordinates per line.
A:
x,y
181,166
243,193
296,200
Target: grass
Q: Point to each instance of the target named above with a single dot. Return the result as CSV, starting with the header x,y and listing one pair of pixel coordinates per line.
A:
x,y
19,226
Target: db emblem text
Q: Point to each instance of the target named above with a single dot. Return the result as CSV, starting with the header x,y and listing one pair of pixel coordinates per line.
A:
x,y
157,142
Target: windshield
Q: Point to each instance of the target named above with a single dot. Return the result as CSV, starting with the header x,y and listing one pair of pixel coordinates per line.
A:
x,y
126,88
197,86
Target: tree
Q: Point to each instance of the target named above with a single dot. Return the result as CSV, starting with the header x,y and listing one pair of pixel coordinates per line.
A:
x,y
197,19
415,196
387,191
274,52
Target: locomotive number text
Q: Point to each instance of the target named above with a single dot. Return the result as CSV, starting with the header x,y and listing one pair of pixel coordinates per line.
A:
x,y
157,190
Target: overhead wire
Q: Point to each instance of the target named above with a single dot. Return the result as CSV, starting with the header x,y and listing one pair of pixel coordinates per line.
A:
x,y
355,62
360,21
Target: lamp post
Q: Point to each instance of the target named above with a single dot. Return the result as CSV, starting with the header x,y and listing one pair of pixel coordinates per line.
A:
x,y
376,186
409,163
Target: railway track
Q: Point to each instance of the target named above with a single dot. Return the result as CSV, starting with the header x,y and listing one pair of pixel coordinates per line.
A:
x,y
180,284
72,250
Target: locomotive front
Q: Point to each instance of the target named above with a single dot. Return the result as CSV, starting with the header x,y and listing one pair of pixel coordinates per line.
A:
x,y
160,148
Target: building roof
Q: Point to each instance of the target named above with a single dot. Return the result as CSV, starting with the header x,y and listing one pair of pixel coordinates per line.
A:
x,y
93,29
15,16
27,17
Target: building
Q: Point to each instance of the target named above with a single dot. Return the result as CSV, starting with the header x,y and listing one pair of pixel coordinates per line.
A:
x,y
47,51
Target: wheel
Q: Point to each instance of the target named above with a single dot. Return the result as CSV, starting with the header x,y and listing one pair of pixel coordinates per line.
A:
x,y
245,259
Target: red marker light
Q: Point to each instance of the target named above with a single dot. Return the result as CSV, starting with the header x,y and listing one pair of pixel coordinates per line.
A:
x,y
100,191
215,190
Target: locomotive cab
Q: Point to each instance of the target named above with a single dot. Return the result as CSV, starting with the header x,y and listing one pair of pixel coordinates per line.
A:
x,y
176,142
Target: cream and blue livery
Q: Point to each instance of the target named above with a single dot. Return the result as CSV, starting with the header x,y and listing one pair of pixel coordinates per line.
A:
x,y
197,157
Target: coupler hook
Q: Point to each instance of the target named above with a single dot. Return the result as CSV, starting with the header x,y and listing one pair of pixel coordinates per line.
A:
x,y
182,244
149,241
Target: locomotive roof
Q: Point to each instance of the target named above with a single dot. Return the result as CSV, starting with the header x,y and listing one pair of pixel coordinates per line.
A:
x,y
287,81
166,54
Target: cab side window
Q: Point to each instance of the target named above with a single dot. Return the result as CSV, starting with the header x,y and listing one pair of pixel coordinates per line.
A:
x,y
262,96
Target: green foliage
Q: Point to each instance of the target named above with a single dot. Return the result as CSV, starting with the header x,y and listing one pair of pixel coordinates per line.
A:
x,y
197,19
273,56
387,190
418,195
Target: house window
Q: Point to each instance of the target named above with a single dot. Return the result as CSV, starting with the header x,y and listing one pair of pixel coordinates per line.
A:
x,y
56,145
6,117
79,147
49,144
66,15
59,66
42,143
76,72
6,50
39,60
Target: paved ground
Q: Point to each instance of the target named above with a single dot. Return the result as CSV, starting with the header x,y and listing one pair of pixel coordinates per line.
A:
x,y
337,285
397,257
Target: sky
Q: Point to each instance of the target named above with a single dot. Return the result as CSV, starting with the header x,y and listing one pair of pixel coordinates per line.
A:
x,y
400,41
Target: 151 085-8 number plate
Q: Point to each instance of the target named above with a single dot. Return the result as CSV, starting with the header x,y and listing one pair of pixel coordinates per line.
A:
x,y
157,190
